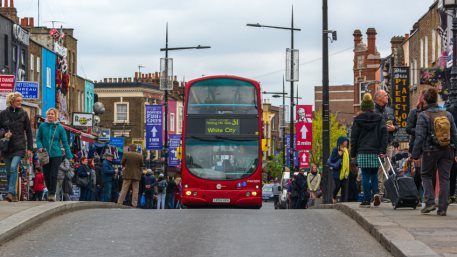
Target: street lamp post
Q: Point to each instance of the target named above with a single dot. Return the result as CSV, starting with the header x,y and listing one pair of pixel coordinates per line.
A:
x,y
292,29
166,49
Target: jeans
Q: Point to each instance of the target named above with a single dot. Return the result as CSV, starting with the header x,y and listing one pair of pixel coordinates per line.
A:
x,y
161,201
107,186
170,200
343,185
12,169
59,190
369,183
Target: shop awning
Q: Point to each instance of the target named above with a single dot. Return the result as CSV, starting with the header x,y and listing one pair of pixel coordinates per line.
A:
x,y
84,136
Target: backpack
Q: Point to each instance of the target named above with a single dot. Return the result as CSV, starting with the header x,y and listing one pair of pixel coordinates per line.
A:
x,y
162,186
441,128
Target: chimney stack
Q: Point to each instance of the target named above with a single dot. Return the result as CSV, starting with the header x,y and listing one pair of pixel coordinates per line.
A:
x,y
24,22
136,74
105,80
357,37
7,4
371,32
12,3
31,22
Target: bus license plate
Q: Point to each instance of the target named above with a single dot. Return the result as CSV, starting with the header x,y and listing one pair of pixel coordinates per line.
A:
x,y
221,200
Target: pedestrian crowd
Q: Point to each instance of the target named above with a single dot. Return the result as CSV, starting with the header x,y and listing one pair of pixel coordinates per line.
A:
x,y
59,173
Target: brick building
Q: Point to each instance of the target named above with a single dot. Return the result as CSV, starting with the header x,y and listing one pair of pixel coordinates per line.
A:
x,y
367,62
341,102
425,49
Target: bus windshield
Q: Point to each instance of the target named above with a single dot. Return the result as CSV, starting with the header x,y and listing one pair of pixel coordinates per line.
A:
x,y
222,96
221,159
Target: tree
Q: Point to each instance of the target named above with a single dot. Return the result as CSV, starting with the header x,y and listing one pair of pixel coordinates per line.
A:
x,y
336,130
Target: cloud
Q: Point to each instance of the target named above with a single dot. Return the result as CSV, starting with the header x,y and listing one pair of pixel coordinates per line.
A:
x,y
115,36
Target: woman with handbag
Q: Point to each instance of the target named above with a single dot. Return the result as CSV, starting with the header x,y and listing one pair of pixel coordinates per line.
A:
x,y
50,137
16,123
84,180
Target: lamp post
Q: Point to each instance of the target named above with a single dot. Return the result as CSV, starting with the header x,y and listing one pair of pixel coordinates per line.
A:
x,y
166,49
452,101
292,29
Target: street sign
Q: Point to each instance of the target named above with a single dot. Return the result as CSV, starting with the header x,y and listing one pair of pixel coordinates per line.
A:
x,y
400,101
296,161
28,89
83,119
174,143
105,134
304,159
154,127
304,127
6,83
117,142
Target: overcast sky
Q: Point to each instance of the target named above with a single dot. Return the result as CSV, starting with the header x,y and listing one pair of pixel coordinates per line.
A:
x,y
115,36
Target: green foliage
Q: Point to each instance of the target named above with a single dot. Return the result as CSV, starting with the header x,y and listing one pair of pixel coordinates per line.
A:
x,y
336,130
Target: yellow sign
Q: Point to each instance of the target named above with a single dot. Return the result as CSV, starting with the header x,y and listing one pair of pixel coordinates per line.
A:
x,y
137,141
222,127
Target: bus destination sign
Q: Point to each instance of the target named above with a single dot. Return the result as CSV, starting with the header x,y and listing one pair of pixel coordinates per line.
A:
x,y
222,127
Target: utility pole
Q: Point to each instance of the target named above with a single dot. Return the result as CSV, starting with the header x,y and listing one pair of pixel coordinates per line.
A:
x,y
325,106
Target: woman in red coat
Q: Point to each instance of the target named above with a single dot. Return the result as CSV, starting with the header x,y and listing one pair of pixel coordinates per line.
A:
x,y
38,185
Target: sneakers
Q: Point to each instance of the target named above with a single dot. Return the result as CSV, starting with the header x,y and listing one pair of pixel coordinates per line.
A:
x,y
377,200
441,213
52,198
428,209
14,199
9,197
365,204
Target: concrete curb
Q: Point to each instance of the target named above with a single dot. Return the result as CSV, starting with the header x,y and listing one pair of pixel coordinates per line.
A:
x,y
18,223
395,239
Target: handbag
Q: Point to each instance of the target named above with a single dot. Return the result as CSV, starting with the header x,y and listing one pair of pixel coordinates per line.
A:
x,y
82,181
142,201
43,155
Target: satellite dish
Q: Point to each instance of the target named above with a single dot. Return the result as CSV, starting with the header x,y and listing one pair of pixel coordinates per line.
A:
x,y
99,108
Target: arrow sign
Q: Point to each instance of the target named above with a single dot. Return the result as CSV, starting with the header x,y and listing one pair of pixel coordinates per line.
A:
x,y
154,131
303,157
303,131
304,162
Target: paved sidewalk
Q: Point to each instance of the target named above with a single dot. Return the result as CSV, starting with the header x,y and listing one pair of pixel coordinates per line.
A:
x,y
406,232
16,218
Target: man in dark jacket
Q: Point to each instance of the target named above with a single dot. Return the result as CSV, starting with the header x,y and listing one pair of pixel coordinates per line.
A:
x,y
16,125
302,190
381,99
170,196
434,154
107,177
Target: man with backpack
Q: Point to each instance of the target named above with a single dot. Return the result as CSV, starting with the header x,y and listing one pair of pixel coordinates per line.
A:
x,y
161,191
436,140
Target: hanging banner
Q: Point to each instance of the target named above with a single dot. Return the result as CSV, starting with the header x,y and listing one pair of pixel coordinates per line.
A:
x,y
400,101
304,127
173,144
154,127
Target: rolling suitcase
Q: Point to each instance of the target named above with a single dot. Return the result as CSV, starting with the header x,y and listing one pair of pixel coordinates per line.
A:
x,y
401,190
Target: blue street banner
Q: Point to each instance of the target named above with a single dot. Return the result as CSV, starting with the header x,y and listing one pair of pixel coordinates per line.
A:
x,y
154,127
174,142
29,90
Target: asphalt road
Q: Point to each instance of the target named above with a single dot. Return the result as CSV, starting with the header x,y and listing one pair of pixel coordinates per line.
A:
x,y
196,232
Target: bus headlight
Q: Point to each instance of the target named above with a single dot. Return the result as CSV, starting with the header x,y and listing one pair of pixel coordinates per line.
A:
x,y
254,193
188,193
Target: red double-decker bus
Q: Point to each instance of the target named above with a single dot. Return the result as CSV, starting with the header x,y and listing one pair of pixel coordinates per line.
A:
x,y
222,132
